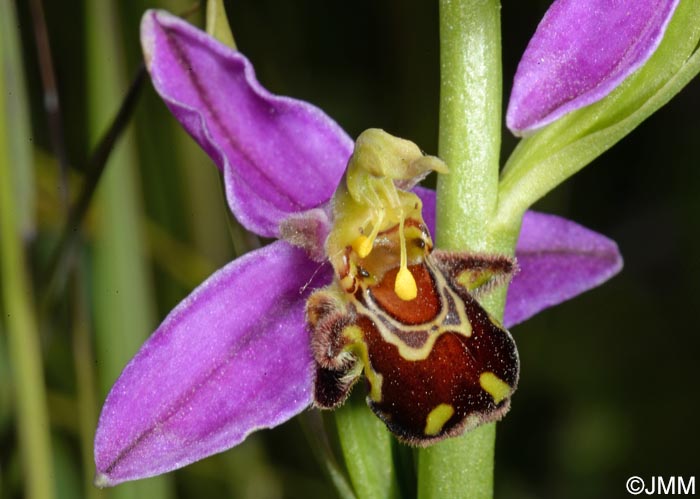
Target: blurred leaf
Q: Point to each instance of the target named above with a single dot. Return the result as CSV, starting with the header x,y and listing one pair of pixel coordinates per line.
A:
x,y
180,261
366,445
17,119
315,431
217,23
19,315
68,483
5,387
86,376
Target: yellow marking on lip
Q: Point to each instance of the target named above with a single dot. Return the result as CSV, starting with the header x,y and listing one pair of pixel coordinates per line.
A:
x,y
471,280
494,386
437,418
359,348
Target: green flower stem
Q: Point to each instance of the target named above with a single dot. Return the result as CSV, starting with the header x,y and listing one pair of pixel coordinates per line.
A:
x,y
19,318
459,467
470,139
470,121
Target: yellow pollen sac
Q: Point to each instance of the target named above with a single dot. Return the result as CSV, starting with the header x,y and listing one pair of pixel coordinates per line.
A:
x,y
405,285
362,246
496,387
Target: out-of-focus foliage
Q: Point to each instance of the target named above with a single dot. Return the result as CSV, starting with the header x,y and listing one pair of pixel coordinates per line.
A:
x,y
607,380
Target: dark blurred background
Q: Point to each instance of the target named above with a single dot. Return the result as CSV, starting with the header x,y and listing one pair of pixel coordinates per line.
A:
x,y
607,387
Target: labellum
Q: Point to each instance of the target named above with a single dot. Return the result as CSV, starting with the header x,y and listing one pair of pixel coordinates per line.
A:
x,y
436,363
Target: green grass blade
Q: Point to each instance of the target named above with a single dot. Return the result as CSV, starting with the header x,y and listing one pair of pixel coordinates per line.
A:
x,y
17,110
122,286
24,349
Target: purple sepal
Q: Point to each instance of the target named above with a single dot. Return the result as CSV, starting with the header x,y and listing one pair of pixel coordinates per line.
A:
x,y
429,205
581,51
279,155
231,358
558,260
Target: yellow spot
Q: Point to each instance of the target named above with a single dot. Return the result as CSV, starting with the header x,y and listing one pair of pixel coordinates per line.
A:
x,y
362,246
405,285
495,386
437,419
471,280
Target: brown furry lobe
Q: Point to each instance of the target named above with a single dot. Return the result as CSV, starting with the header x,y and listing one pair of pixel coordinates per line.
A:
x,y
436,366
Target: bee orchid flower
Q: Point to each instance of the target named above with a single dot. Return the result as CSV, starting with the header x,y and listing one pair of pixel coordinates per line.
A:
x,y
235,356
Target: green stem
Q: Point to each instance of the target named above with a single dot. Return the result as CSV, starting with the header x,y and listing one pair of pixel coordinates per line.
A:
x,y
470,135
470,121
24,349
459,467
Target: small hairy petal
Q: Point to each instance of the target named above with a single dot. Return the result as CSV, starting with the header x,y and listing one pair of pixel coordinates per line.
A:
x,y
279,155
308,230
231,358
558,260
581,51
